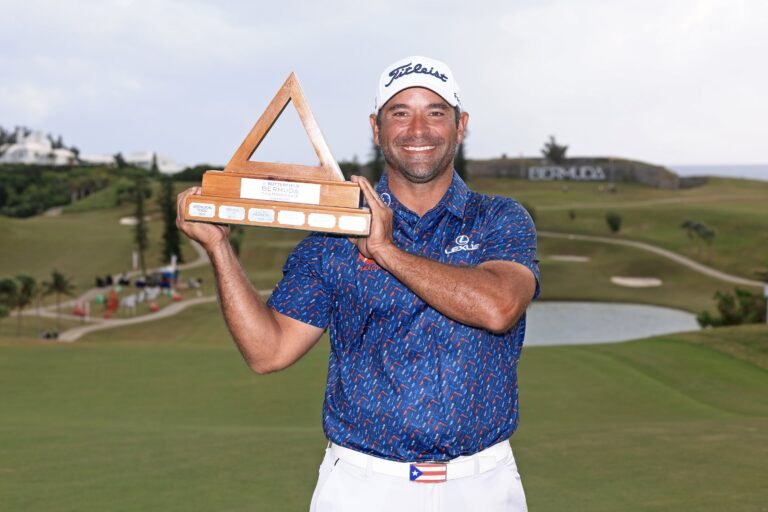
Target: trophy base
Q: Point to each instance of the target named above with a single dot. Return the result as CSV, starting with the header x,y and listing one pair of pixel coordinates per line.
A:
x,y
249,212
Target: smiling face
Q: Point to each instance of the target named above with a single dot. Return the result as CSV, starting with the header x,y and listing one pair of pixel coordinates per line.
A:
x,y
418,134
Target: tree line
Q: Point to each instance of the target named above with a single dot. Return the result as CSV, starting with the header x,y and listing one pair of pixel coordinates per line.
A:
x,y
27,190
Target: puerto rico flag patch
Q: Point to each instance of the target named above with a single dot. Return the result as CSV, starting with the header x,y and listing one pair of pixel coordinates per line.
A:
x,y
428,473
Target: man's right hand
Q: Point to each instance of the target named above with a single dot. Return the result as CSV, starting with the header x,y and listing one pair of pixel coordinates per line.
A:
x,y
208,235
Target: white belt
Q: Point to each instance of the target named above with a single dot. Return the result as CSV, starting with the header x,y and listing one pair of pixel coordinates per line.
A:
x,y
427,472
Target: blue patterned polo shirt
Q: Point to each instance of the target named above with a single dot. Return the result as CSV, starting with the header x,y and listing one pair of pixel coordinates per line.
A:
x,y
406,382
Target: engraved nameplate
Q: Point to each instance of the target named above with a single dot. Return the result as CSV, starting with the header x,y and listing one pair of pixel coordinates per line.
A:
x,y
350,223
261,215
290,218
280,191
202,210
321,220
231,212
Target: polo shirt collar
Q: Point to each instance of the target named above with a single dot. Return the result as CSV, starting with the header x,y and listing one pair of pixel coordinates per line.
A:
x,y
454,200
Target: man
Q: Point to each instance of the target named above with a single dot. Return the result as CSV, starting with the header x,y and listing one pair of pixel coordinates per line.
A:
x,y
426,318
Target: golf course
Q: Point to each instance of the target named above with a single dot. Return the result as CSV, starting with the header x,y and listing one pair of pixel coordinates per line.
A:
x,y
165,415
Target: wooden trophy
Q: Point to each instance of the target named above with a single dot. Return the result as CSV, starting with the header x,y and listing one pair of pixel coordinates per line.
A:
x,y
281,195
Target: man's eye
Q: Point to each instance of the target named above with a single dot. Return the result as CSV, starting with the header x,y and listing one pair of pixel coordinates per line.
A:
x,y
437,113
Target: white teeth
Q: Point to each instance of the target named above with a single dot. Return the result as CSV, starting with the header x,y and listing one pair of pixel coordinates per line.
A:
x,y
418,148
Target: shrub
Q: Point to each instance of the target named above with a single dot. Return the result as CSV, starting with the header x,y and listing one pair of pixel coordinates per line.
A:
x,y
741,307
614,221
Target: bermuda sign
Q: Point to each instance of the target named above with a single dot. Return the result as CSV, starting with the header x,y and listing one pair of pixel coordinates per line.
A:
x,y
576,173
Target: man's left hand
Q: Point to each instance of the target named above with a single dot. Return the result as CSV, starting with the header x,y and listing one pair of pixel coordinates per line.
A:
x,y
380,238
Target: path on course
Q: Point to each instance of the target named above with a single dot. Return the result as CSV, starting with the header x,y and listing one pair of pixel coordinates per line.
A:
x,y
652,202
75,333
693,265
97,324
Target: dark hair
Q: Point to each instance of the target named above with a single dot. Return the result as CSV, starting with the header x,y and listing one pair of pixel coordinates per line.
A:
x,y
456,112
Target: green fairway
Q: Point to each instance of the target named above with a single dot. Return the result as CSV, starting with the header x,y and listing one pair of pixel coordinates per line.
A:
x,y
166,416
658,424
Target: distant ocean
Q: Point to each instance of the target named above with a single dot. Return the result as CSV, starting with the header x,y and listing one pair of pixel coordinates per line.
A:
x,y
754,172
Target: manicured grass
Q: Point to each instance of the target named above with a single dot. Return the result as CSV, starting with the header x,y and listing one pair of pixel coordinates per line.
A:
x,y
736,209
166,416
660,424
681,287
33,325
103,199
80,245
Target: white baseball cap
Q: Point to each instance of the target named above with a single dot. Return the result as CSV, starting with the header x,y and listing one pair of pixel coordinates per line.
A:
x,y
418,72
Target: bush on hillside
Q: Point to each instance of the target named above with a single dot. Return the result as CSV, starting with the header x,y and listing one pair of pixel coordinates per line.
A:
x,y
27,190
741,307
614,221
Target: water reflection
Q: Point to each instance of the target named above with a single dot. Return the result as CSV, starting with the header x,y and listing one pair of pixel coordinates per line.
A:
x,y
566,323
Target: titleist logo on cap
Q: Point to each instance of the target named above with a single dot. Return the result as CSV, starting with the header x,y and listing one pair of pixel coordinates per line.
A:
x,y
407,69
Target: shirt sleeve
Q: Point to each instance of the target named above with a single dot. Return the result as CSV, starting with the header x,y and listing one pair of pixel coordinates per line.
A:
x,y
511,236
303,294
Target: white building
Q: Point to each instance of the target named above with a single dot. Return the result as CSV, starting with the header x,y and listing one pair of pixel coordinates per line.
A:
x,y
97,159
35,149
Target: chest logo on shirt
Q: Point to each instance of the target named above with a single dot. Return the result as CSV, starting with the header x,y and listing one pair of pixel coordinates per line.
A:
x,y
463,243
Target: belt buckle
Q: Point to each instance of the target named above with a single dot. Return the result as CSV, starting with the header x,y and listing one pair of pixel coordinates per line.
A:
x,y
428,473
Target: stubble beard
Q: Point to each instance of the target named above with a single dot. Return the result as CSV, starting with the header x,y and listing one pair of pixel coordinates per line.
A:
x,y
419,172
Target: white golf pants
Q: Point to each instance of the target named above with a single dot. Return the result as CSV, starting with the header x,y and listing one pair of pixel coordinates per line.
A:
x,y
351,481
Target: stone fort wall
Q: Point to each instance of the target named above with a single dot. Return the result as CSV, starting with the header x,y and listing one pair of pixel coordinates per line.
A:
x,y
599,169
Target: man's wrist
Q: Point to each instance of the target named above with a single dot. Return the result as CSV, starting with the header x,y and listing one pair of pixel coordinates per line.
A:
x,y
219,250
387,255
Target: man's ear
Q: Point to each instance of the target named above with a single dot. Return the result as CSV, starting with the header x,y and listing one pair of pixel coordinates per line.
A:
x,y
374,128
462,128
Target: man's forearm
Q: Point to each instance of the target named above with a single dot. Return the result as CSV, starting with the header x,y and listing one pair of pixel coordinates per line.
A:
x,y
252,324
267,340
492,296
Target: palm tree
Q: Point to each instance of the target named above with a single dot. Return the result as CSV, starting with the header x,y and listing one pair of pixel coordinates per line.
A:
x,y
18,294
8,290
59,284
27,293
707,234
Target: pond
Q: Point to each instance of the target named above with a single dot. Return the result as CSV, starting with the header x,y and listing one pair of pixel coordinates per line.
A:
x,y
572,323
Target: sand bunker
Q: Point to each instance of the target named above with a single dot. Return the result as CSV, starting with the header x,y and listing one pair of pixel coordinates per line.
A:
x,y
636,282
131,221
569,257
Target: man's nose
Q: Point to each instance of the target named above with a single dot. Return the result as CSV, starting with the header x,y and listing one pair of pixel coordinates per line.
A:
x,y
417,126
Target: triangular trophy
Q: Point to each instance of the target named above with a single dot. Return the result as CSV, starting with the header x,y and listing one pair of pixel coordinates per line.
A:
x,y
313,198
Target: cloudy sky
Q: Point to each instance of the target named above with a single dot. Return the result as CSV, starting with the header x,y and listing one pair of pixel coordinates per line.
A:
x,y
666,81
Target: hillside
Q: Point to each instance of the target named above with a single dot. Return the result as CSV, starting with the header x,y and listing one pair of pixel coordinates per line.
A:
x,y
737,210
